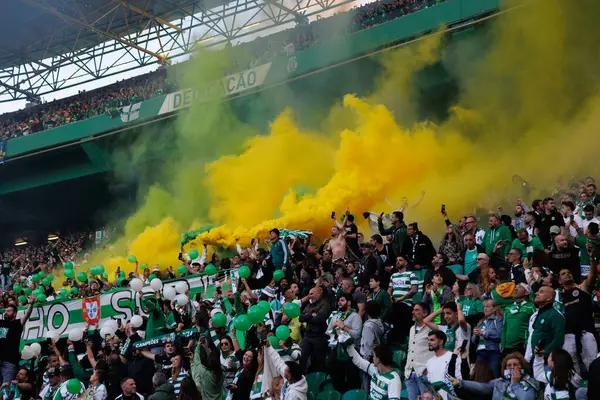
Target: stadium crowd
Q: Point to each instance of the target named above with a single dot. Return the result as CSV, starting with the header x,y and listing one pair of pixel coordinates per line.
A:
x,y
505,311
109,99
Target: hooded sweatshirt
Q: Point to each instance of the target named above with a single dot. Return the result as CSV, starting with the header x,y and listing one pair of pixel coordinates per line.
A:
x,y
372,333
289,391
493,236
163,392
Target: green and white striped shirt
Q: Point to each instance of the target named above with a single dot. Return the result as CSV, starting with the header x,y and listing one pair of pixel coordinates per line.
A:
x,y
177,382
383,386
401,283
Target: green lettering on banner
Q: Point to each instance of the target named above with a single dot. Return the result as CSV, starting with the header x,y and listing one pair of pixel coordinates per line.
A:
x,y
251,78
187,98
64,315
176,100
241,84
230,79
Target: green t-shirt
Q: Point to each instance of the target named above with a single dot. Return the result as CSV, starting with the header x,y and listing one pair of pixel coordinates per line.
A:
x,y
471,306
470,263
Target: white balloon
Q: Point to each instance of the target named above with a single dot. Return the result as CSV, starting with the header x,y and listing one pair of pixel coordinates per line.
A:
x,y
156,284
137,321
136,284
75,335
169,293
27,353
52,334
182,299
181,287
37,349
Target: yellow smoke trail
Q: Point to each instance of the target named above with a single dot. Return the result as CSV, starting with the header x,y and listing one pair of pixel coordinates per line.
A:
x,y
529,107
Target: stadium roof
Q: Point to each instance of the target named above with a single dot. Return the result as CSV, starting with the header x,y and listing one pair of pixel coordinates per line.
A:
x,y
33,30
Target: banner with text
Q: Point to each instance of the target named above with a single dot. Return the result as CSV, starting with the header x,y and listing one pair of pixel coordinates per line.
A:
x,y
65,315
229,85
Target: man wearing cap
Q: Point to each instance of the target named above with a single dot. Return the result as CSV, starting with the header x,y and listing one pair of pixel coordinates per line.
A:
x,y
53,384
516,322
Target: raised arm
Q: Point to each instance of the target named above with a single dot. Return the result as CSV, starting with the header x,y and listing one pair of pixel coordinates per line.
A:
x,y
429,319
28,310
360,362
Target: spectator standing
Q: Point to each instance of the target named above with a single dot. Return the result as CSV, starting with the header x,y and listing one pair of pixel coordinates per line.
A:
x,y
314,343
381,297
439,263
560,377
471,228
11,329
497,233
398,231
582,240
526,244
343,325
129,390
546,326
206,370
278,250
452,245
469,254
516,322
294,383
385,380
418,352
547,219
457,332
403,286
565,256
443,365
580,341
371,335
163,390
368,265
417,247
487,334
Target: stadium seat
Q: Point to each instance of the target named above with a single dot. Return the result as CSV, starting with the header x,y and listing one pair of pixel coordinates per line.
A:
x,y
355,395
314,380
329,395
326,385
400,359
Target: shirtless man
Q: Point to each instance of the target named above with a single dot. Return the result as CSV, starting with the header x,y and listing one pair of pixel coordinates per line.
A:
x,y
337,244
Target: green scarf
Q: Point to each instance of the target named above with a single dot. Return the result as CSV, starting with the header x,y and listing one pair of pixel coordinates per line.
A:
x,y
342,348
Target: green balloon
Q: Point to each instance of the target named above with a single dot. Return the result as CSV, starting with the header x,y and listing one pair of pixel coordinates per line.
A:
x,y
74,386
23,299
151,276
264,306
22,279
27,291
17,288
219,320
82,277
42,275
36,278
282,332
74,290
119,281
69,273
37,291
256,315
291,310
193,254
41,297
51,277
46,282
101,269
143,266
131,259
105,275
278,275
242,323
274,342
68,265
122,274
210,270
93,271
244,272
182,269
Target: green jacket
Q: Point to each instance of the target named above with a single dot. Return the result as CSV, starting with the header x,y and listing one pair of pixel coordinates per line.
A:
x,y
83,374
398,235
156,320
581,242
382,298
533,243
205,380
279,254
493,236
549,328
164,392
516,324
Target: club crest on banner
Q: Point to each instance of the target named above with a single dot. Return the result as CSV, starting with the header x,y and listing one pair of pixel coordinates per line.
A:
x,y
90,308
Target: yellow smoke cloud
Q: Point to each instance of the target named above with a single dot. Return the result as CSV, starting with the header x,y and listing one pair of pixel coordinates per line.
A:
x,y
529,106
